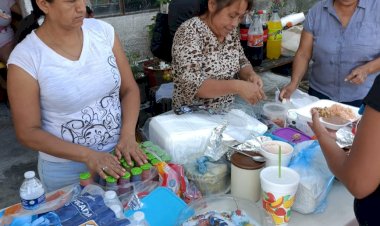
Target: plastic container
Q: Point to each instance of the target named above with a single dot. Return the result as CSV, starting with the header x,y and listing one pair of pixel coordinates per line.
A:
x,y
215,181
112,201
139,219
136,174
145,171
270,151
85,179
291,135
245,176
32,192
276,112
274,36
240,210
161,207
111,183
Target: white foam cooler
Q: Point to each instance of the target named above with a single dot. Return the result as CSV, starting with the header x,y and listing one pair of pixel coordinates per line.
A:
x,y
185,135
182,135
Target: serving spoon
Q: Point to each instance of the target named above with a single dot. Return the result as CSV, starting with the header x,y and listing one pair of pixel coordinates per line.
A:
x,y
257,158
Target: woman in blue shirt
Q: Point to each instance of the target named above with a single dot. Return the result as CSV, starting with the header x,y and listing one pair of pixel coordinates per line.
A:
x,y
342,38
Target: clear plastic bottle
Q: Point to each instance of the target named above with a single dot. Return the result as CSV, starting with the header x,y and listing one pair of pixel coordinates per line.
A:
x,y
32,193
139,219
244,27
264,21
112,201
255,43
274,36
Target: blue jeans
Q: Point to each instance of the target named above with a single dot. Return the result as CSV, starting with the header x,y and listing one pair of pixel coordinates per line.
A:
x,y
56,175
313,92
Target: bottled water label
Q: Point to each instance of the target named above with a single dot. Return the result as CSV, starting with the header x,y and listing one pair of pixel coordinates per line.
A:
x,y
30,204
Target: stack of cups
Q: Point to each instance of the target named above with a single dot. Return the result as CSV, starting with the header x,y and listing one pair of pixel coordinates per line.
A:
x,y
278,193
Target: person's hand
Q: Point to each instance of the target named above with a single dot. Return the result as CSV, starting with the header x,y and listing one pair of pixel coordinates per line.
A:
x,y
357,76
317,127
104,164
288,90
129,149
251,92
255,79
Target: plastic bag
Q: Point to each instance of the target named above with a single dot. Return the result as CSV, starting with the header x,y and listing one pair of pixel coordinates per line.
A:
x,y
54,200
315,178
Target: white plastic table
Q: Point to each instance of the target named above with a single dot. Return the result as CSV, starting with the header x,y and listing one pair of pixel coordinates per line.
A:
x,y
339,210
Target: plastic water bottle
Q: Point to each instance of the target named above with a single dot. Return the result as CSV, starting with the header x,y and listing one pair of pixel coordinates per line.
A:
x,y
32,192
112,201
139,219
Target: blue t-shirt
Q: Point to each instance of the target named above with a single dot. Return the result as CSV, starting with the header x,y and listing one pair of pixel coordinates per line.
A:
x,y
337,50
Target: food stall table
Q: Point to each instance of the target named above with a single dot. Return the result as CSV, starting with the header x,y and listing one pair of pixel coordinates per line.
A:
x,y
339,210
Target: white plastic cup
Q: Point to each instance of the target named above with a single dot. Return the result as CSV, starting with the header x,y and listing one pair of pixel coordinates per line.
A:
x,y
278,193
270,151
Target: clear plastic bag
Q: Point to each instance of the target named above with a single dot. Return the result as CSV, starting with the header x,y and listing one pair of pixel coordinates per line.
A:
x,y
315,178
54,200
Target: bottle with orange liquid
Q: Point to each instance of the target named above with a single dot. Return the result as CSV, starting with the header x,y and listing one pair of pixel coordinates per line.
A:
x,y
274,36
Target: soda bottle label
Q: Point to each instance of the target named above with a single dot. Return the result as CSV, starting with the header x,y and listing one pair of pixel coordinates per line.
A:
x,y
255,41
30,204
265,35
275,34
243,34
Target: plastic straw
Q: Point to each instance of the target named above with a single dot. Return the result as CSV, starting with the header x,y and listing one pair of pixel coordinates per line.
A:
x,y
279,161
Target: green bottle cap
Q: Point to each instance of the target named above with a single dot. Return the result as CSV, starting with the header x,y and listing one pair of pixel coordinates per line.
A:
x,y
146,166
166,158
154,161
155,148
150,156
127,175
85,175
127,166
111,179
136,171
147,144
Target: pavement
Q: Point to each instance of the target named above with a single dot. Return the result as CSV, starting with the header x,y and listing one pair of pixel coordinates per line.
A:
x,y
15,159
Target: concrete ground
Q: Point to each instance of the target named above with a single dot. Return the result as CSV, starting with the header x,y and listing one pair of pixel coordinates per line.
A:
x,y
14,160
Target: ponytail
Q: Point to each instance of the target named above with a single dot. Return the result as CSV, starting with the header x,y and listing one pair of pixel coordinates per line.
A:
x,y
29,23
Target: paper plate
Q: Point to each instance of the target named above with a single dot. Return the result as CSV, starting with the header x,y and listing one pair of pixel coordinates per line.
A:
x,y
305,114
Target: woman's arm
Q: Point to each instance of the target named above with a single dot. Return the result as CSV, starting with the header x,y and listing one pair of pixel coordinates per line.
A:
x,y
24,97
130,104
360,74
360,170
300,64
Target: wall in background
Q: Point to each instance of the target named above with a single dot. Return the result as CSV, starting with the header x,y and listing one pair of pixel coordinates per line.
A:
x,y
133,32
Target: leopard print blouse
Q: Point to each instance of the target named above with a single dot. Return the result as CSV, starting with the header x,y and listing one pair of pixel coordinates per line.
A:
x,y
197,56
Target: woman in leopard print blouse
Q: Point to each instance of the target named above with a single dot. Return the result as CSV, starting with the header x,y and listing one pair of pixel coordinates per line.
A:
x,y
209,64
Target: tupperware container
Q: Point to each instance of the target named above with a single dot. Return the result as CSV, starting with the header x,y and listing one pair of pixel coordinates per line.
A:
x,y
291,135
276,112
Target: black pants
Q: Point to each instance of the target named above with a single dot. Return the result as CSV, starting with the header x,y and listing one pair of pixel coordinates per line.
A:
x,y
367,209
313,92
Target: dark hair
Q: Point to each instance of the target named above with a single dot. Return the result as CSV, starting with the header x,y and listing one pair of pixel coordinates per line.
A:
x,y
221,4
30,22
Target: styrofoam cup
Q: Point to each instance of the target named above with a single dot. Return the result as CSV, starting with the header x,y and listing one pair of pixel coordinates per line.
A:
x,y
270,151
278,193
